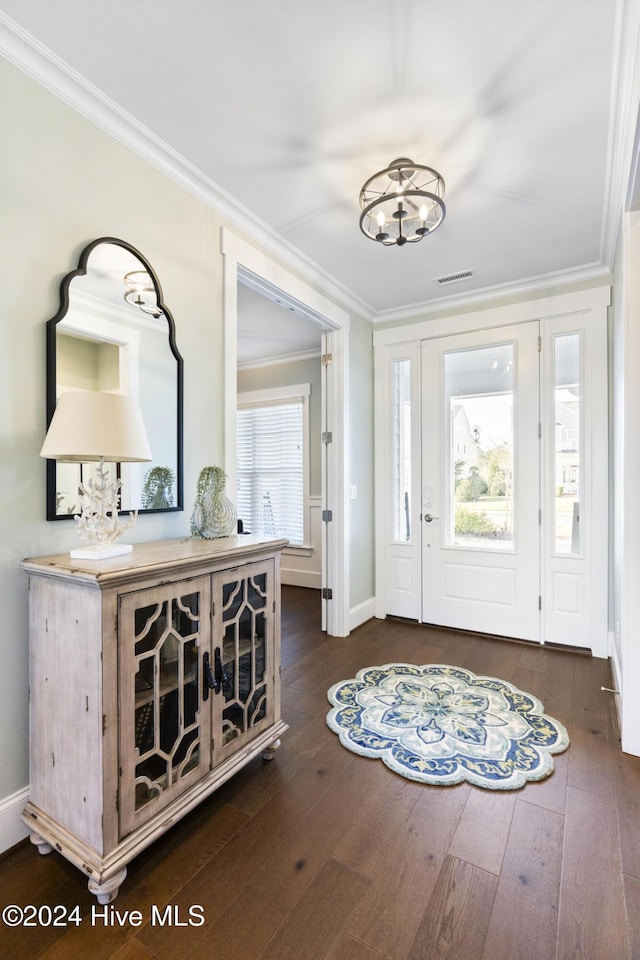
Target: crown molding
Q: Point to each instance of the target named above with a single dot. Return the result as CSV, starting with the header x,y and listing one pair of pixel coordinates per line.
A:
x,y
40,63
561,303
277,360
533,286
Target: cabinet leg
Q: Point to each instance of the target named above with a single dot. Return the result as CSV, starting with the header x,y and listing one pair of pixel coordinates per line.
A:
x,y
107,892
42,845
269,752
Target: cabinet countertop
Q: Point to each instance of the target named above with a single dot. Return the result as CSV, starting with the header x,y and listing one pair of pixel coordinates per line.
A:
x,y
181,554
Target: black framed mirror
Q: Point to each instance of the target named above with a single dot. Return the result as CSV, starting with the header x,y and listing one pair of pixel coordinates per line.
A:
x,y
113,332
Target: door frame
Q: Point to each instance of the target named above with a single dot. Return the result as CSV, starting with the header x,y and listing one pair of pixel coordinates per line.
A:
x,y
243,261
587,306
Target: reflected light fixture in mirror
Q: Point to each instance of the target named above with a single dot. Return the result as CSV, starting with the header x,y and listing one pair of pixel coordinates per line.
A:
x,y
107,428
141,293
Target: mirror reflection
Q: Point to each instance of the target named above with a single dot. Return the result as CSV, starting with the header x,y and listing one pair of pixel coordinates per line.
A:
x,y
114,333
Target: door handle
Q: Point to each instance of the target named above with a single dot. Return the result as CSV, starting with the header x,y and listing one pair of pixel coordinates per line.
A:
x,y
208,678
213,676
220,673
428,518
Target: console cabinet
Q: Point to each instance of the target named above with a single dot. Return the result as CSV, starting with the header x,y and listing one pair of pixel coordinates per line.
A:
x,y
153,678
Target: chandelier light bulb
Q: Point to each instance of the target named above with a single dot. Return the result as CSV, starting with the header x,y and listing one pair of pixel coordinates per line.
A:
x,y
381,219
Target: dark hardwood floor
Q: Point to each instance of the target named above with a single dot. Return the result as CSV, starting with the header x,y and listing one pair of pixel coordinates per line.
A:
x,y
324,855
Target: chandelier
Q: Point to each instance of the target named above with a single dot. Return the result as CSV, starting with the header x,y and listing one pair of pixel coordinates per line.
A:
x,y
402,203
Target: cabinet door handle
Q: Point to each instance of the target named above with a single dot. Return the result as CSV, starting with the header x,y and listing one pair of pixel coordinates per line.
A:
x,y
220,675
208,677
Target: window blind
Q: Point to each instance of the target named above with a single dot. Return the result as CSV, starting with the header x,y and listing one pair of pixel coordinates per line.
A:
x,y
270,453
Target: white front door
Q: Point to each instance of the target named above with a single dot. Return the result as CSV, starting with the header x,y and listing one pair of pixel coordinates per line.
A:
x,y
480,491
492,471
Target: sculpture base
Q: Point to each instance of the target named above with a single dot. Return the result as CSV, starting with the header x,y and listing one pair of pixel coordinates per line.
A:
x,y
101,552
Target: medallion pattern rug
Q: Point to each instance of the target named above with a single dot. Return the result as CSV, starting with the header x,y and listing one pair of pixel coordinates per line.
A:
x,y
441,725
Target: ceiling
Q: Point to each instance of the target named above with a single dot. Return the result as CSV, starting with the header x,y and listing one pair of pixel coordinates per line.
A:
x,y
272,330
290,106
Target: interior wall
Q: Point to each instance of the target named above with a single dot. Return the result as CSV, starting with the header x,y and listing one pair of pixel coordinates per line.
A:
x,y
63,183
616,387
627,470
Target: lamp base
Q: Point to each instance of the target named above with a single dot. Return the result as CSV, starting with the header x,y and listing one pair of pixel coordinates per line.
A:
x,y
101,553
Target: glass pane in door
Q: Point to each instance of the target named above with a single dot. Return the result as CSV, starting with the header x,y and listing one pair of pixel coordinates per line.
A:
x,y
402,450
479,387
566,363
244,656
167,733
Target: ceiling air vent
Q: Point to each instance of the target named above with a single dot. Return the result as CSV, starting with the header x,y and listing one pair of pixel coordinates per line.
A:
x,y
454,277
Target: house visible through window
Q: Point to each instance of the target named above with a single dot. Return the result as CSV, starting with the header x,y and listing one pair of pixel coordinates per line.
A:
x,y
272,462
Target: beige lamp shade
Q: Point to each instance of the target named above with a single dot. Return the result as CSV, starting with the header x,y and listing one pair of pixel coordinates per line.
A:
x,y
88,425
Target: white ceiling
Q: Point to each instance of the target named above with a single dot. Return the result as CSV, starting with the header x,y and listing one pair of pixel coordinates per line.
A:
x,y
289,106
271,331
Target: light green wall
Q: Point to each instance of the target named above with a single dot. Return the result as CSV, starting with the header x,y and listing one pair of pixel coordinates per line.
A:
x,y
80,363
64,182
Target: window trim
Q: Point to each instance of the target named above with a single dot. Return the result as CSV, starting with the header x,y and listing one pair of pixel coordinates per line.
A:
x,y
271,397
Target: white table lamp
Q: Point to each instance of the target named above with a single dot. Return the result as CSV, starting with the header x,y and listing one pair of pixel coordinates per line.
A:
x,y
105,428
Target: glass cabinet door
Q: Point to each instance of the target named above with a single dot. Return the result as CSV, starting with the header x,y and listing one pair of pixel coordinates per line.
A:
x,y
164,732
243,615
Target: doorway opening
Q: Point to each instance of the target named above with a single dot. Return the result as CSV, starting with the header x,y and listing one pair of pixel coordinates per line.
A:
x,y
247,272
279,419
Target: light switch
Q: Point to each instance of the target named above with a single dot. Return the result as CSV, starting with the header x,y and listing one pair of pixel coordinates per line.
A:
x,y
353,492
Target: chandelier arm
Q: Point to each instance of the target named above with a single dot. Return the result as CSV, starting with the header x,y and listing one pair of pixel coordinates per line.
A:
x,y
368,209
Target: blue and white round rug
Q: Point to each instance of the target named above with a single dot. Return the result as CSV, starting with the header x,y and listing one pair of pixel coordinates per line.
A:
x,y
442,725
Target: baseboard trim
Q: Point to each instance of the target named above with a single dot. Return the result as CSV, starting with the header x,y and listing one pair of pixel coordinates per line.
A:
x,y
362,612
617,681
301,578
12,830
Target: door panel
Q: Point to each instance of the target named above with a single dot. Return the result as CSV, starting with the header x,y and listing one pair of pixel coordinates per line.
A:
x,y
480,481
244,604
575,481
164,728
483,584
